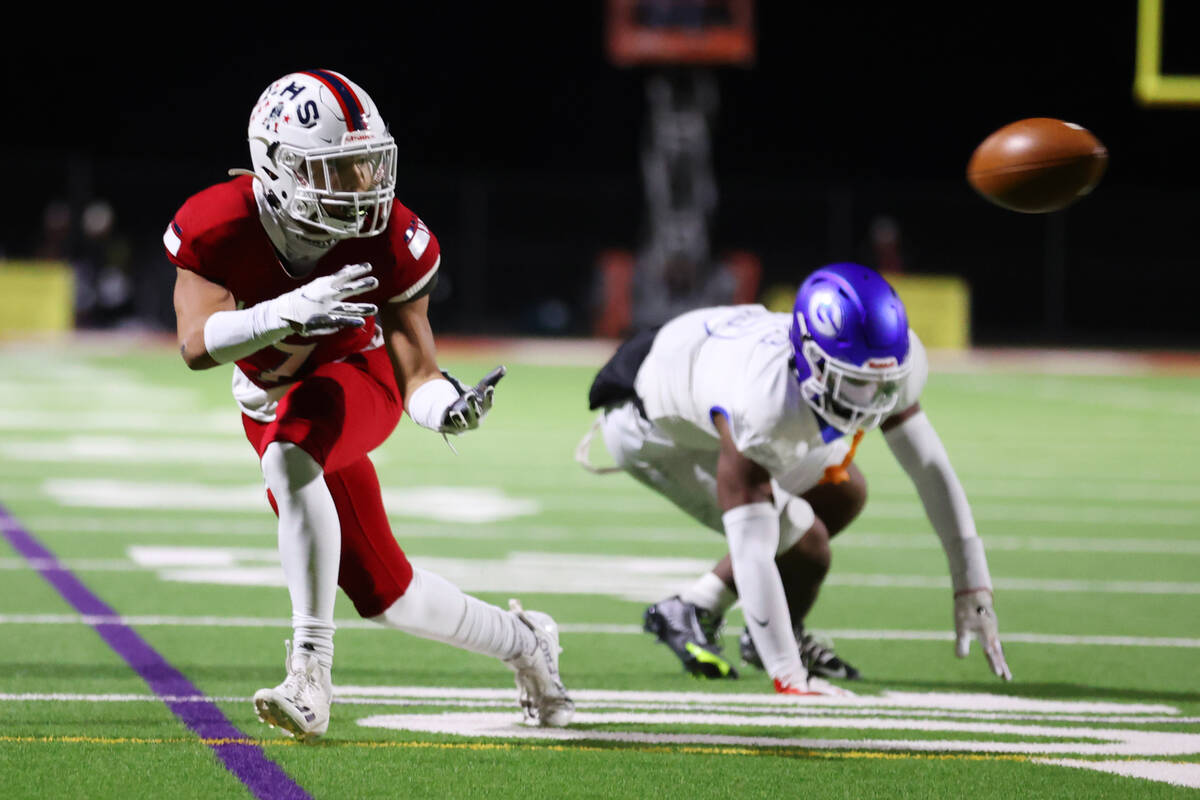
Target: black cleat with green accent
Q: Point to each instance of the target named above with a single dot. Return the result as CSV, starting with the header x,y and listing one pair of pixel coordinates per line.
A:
x,y
691,633
817,656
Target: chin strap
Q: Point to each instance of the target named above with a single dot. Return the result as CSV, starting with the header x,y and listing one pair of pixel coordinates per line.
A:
x,y
837,473
233,173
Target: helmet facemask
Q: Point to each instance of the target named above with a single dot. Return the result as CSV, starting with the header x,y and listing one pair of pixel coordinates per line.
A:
x,y
847,396
345,191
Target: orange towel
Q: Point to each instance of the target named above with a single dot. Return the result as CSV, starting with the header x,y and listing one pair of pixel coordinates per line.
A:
x,y
837,473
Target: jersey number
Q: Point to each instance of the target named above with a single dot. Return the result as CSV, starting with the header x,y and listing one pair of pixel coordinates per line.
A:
x,y
294,357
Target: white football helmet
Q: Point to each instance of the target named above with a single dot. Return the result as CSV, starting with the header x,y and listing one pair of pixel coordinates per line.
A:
x,y
323,154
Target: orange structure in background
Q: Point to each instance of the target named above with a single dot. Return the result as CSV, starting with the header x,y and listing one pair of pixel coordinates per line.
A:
x,y
674,33
747,274
613,317
722,32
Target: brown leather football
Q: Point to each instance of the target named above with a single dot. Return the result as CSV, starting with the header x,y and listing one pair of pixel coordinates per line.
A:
x,y
1037,165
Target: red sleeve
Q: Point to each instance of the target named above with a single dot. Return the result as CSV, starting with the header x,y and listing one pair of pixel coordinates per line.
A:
x,y
180,244
416,257
208,229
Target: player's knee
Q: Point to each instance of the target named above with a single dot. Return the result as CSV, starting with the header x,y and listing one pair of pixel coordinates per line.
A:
x,y
287,467
839,504
811,552
795,520
374,572
854,499
373,596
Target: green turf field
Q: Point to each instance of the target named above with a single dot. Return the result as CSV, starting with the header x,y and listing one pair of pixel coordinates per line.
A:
x,y
133,473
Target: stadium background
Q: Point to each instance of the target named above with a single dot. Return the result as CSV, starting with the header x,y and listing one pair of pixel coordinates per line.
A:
x,y
519,145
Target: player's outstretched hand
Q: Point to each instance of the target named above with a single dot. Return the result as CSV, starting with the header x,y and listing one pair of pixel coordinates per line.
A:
x,y
316,308
473,403
975,617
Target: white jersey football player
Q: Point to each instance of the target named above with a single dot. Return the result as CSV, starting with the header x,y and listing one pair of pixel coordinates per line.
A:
x,y
738,415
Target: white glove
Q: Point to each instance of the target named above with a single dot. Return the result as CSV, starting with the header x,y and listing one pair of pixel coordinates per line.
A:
x,y
974,616
473,403
315,309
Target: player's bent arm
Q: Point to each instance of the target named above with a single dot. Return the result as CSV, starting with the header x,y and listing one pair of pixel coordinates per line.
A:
x,y
917,446
197,299
408,337
751,524
434,398
211,332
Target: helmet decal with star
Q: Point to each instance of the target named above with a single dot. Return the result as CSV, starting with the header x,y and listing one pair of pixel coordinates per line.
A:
x,y
323,156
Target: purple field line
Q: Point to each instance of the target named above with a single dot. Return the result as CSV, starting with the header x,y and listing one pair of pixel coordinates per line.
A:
x,y
263,777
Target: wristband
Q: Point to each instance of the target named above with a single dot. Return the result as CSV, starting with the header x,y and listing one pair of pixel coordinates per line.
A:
x,y
428,403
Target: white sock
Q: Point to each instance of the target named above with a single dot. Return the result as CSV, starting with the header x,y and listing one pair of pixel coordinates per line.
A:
x,y
711,594
310,544
434,608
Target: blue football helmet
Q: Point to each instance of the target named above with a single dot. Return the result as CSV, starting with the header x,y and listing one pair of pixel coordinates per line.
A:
x,y
850,341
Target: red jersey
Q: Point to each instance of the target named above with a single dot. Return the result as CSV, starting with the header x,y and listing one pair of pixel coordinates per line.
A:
x,y
217,235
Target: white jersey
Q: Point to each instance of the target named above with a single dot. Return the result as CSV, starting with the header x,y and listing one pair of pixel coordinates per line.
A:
x,y
736,360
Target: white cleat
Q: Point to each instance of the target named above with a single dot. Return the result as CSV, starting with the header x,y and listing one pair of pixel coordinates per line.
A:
x,y
542,695
299,705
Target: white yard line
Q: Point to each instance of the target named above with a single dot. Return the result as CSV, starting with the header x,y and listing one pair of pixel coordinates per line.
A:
x,y
1037,544
1047,739
987,511
263,524
162,620
460,500
1067,488
954,703
128,449
1174,773
25,420
1019,584
630,577
463,504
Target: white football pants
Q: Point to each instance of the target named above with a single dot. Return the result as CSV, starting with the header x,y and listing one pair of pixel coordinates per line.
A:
x,y
688,476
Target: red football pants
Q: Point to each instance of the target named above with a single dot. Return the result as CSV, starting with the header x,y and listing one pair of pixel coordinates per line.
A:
x,y
337,415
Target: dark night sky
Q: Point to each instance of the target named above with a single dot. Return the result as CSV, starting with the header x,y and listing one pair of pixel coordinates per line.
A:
x,y
839,94
835,91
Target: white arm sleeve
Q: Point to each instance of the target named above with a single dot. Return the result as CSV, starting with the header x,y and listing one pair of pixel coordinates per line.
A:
x,y
314,309
231,335
753,534
919,449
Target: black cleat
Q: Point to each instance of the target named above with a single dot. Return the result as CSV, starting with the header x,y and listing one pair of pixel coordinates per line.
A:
x,y
816,656
691,633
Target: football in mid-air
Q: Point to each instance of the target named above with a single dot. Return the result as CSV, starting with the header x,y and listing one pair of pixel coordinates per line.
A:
x,y
1037,165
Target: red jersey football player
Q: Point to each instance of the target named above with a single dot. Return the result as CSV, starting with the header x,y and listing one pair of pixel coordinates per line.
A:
x,y
265,264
